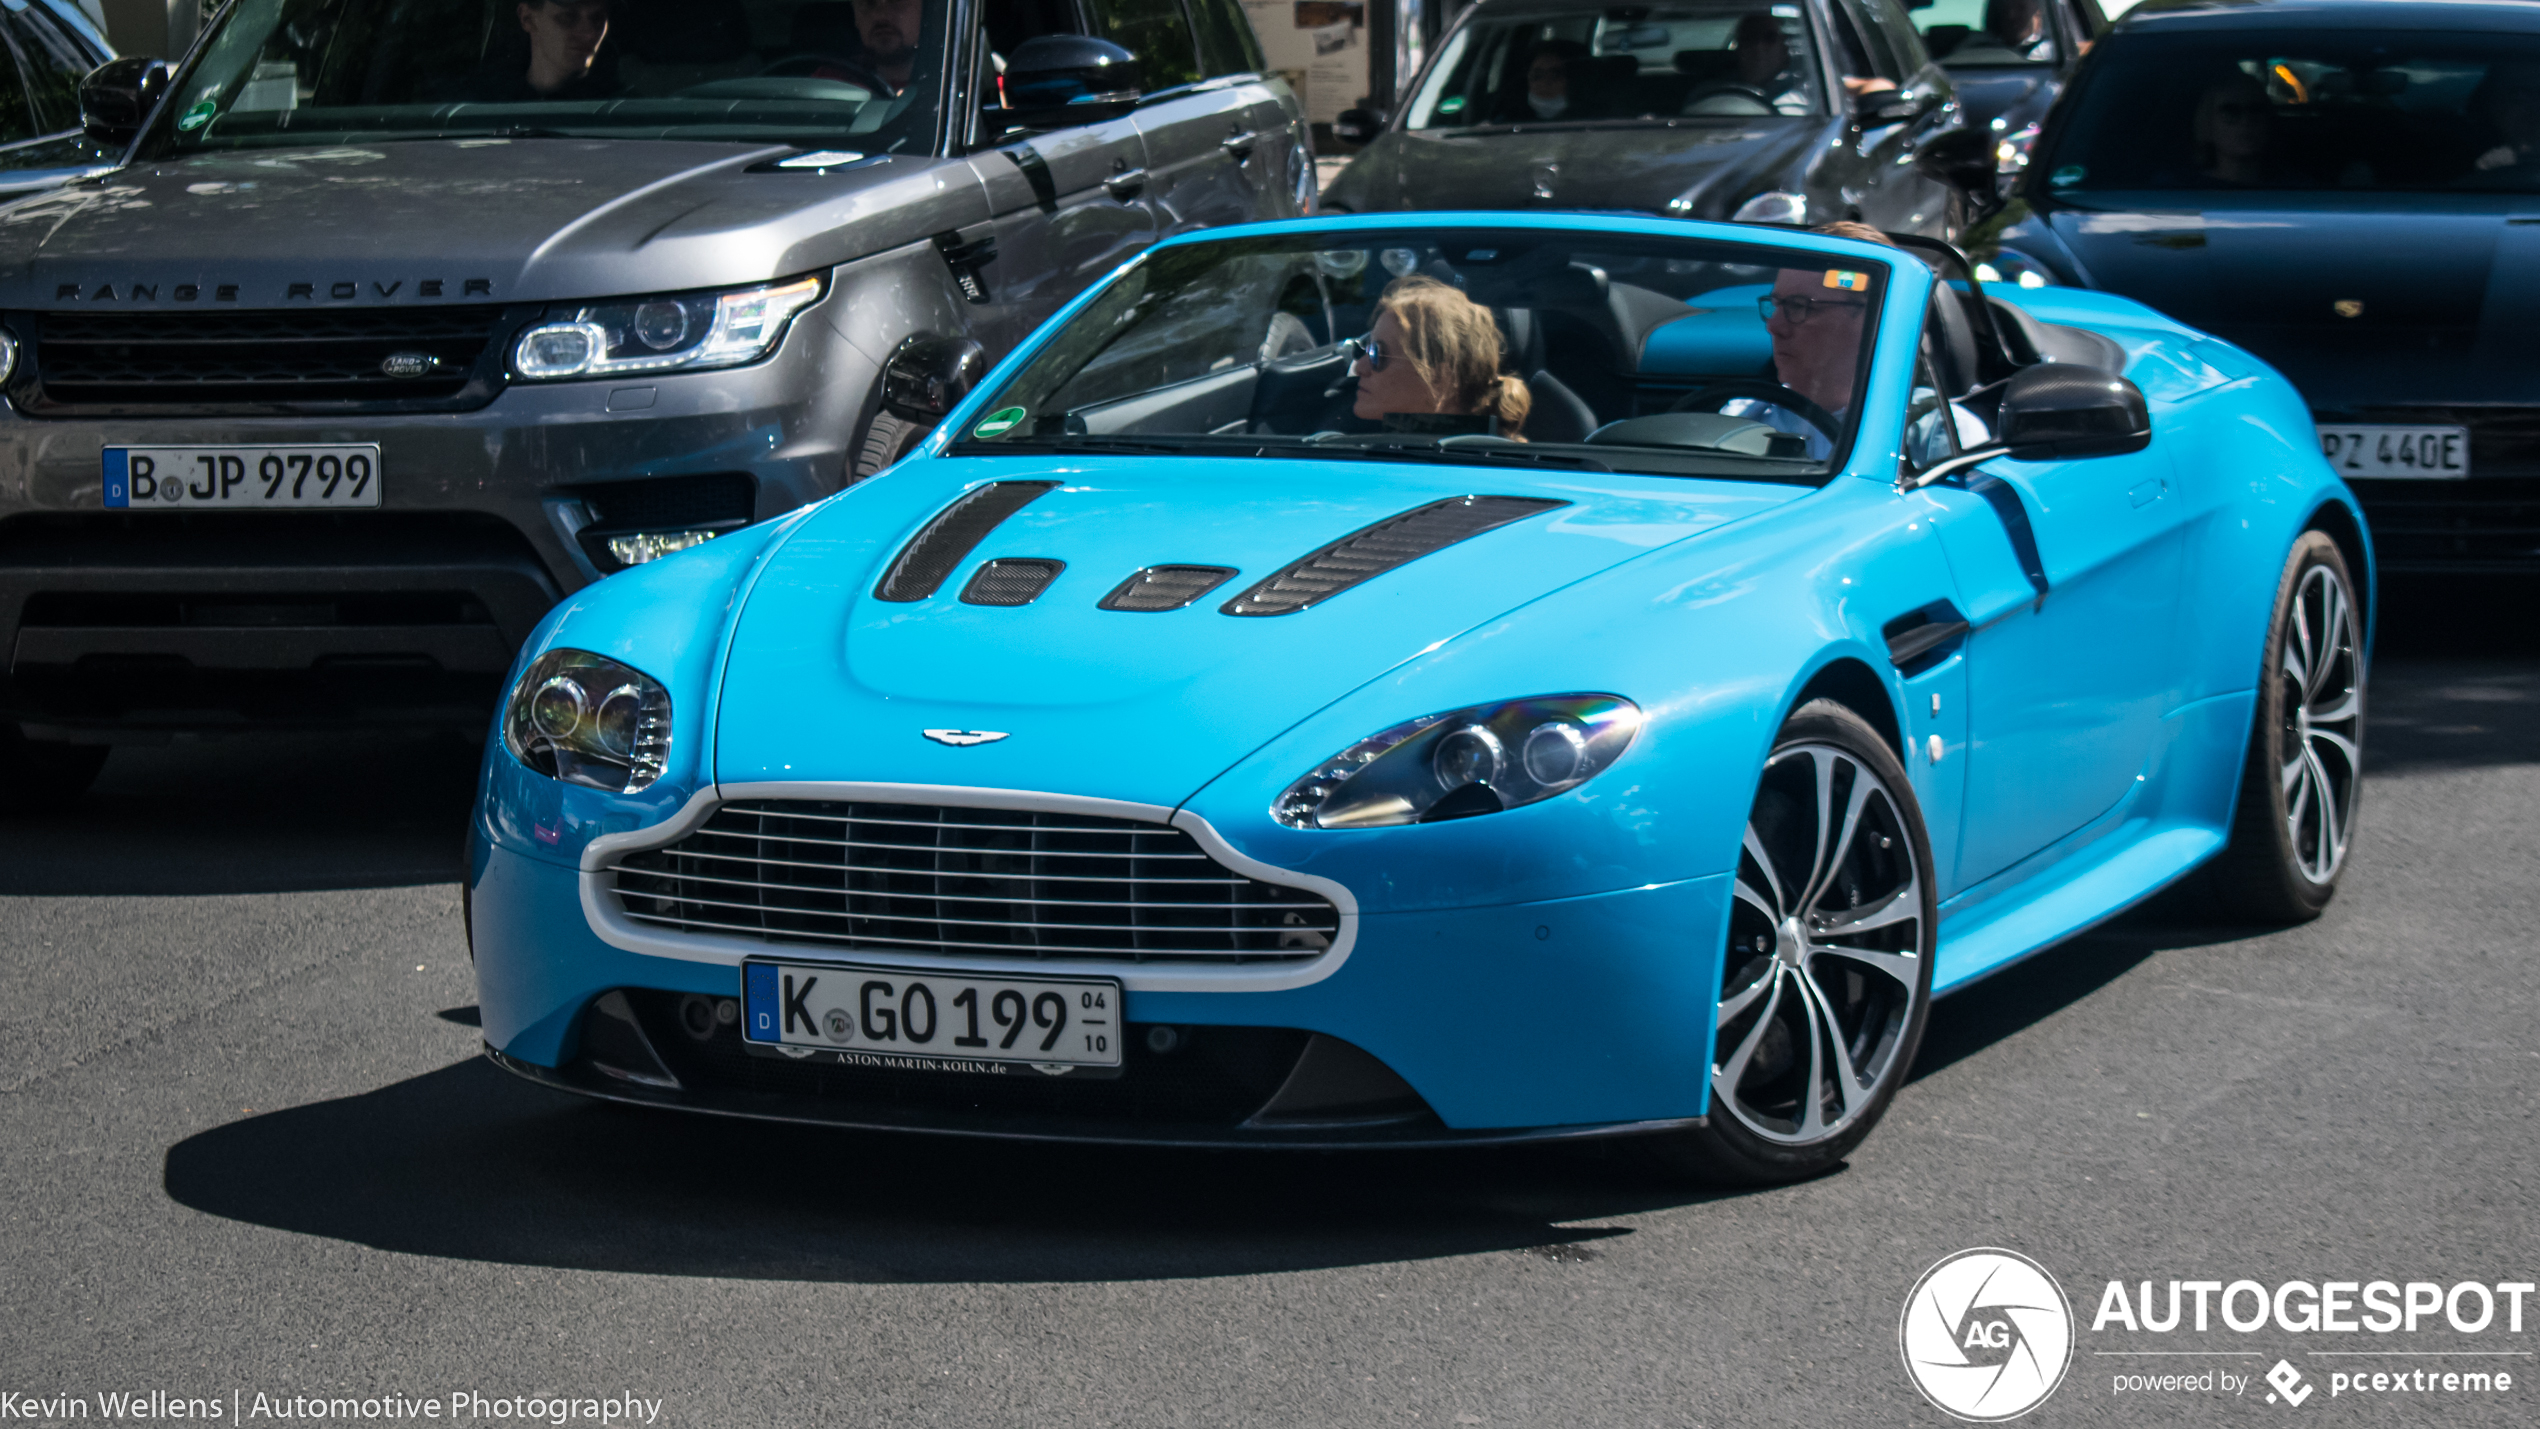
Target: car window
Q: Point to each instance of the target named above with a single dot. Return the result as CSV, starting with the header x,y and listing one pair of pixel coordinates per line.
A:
x,y
1158,32
1723,61
1884,62
825,73
1898,34
1227,44
17,121
1638,353
2308,110
1987,32
53,60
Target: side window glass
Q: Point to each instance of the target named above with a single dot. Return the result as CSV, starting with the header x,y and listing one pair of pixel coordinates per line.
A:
x,y
16,122
1158,32
1227,44
1866,42
53,62
1897,36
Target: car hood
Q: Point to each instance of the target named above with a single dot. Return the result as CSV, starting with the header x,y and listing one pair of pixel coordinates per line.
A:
x,y
1714,165
528,219
826,682
2425,300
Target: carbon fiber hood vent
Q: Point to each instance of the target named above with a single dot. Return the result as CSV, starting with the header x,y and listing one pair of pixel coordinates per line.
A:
x,y
1366,554
952,535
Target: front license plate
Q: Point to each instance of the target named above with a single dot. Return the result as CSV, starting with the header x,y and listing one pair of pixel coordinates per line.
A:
x,y
241,478
931,1022
2397,453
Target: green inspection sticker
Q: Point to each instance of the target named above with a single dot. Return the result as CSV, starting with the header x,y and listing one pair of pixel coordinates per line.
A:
x,y
198,116
998,423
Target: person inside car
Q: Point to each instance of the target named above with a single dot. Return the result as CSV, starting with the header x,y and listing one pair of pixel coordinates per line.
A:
x,y
888,30
1435,353
1763,70
2509,101
1556,81
564,49
2234,131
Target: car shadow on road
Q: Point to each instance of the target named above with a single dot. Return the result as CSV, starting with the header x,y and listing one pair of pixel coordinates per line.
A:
x,y
264,813
468,1163
2456,675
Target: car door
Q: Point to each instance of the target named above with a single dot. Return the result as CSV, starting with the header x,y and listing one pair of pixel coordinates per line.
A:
x,y
1067,205
2070,575
1185,123
1272,171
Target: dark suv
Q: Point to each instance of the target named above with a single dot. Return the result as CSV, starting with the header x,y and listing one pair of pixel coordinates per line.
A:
x,y
405,318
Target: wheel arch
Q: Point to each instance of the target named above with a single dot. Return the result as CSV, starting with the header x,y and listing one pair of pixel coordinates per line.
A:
x,y
2338,521
1850,681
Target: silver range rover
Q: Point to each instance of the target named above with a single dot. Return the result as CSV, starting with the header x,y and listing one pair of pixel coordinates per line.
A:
x,y
403,319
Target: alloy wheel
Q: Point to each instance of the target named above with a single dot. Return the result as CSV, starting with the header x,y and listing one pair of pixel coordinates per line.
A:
x,y
2321,756
1824,972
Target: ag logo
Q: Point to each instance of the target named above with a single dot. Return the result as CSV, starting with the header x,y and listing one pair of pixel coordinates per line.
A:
x,y
963,738
1986,1335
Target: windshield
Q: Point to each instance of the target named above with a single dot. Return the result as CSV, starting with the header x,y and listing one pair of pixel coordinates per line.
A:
x,y
826,73
1724,61
1987,32
2319,110
1606,351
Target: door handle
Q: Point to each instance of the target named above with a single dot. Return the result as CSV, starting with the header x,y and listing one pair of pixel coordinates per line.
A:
x,y
1125,182
1238,145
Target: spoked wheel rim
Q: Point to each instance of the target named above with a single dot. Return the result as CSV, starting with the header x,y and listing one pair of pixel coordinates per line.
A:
x,y
2322,749
1824,972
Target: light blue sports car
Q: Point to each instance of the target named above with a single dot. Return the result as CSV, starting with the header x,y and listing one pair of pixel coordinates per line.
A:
x,y
1252,720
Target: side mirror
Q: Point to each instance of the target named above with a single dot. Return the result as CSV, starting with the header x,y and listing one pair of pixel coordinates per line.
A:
x,y
116,98
2057,410
928,376
1359,126
1882,107
1063,80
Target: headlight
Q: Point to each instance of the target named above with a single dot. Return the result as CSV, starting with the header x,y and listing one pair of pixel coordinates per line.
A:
x,y
8,354
660,334
1773,207
589,720
1470,761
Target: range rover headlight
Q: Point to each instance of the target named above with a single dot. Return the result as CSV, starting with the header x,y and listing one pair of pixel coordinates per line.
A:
x,y
1465,762
679,332
588,720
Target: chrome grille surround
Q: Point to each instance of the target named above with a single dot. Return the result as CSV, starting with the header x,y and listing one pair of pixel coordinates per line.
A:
x,y
930,876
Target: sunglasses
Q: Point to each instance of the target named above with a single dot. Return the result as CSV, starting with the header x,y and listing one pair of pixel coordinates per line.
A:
x,y
1795,311
1369,348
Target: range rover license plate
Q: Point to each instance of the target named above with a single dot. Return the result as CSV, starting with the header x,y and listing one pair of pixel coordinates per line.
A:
x,y
931,1022
241,478
2383,453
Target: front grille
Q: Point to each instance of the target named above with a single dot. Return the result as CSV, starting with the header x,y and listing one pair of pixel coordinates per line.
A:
x,y
921,878
320,360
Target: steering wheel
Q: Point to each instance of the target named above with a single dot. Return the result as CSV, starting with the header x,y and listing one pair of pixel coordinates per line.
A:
x,y
855,74
1762,389
1763,102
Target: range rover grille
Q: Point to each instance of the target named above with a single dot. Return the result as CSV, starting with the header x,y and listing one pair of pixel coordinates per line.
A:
x,y
258,361
931,879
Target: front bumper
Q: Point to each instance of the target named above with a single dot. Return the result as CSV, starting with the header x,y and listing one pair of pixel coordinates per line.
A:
x,y
1573,1017
117,622
2489,523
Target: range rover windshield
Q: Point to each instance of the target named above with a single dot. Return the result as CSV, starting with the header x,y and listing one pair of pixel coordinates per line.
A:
x,y
822,73
1717,61
1601,351
2344,111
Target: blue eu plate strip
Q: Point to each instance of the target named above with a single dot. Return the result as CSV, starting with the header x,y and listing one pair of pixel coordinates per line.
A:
x,y
760,1002
118,479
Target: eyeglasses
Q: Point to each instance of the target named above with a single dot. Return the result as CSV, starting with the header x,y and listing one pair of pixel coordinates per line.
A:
x,y
1367,347
1795,311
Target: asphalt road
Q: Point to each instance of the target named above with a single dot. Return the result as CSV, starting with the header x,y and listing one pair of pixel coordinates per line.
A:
x,y
249,1148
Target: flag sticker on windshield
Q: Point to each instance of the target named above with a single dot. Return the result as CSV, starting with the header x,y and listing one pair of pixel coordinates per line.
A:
x,y
1847,280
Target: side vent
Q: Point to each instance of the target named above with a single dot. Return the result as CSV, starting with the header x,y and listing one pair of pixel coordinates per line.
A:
x,y
1011,581
1394,541
1165,587
949,539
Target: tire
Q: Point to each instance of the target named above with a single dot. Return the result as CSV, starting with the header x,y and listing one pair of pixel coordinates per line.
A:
x,y
1831,929
2295,814
39,774
887,438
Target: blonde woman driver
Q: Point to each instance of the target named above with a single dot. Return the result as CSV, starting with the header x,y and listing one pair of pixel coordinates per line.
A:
x,y
1435,351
